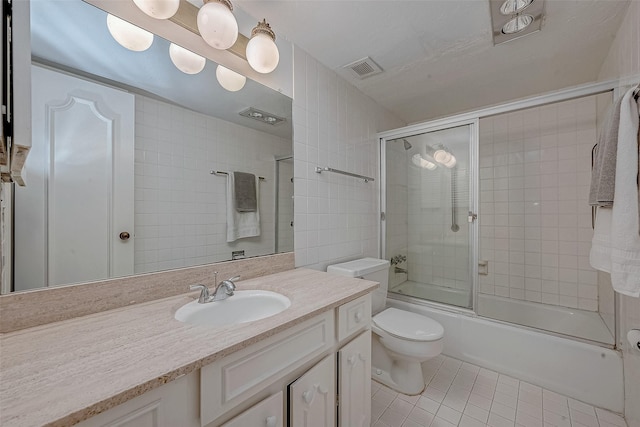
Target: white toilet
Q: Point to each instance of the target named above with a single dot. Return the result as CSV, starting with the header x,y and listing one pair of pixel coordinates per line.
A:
x,y
401,340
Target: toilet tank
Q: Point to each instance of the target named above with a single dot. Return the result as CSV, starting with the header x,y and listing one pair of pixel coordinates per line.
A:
x,y
373,269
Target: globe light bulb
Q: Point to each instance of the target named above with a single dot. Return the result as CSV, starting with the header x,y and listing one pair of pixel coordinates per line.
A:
x,y
217,25
159,9
128,35
230,80
262,52
185,60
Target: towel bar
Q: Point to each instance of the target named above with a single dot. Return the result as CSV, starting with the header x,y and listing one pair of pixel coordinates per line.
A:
x,y
261,178
355,175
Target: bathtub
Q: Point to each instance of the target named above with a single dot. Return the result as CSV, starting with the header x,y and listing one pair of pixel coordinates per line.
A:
x,y
585,372
583,324
441,294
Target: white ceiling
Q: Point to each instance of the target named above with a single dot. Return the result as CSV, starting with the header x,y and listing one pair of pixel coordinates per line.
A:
x,y
438,56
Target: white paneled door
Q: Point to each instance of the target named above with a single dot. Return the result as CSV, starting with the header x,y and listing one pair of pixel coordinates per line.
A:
x,y
72,218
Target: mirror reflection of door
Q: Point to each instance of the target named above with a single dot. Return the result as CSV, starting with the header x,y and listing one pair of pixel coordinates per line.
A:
x,y
284,204
81,165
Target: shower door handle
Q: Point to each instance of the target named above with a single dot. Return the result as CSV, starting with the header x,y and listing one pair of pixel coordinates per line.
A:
x,y
472,216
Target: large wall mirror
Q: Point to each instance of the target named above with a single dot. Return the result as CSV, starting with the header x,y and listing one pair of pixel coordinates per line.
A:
x,y
128,169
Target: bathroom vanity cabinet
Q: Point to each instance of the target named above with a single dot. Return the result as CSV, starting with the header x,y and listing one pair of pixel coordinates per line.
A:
x,y
315,373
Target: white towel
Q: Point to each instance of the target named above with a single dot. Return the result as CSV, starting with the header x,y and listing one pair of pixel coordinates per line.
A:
x,y
241,224
616,242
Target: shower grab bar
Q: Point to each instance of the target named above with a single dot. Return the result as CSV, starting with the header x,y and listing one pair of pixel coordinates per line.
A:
x,y
355,175
261,178
454,193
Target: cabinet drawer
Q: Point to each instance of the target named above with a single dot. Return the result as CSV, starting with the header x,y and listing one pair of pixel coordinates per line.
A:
x,y
354,316
267,413
232,379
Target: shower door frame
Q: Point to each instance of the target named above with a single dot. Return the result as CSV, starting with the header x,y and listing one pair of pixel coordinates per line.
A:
x,y
474,139
616,86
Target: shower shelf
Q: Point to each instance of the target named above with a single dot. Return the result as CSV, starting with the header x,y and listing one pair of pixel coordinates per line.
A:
x,y
355,175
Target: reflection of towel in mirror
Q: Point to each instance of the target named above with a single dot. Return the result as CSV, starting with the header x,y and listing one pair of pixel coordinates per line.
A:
x,y
245,191
241,224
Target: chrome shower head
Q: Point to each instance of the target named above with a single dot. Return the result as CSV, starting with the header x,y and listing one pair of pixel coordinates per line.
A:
x,y
407,145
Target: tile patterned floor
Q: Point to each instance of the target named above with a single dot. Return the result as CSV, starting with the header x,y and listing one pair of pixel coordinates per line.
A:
x,y
465,395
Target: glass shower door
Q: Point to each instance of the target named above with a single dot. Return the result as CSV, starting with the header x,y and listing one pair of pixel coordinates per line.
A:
x,y
427,203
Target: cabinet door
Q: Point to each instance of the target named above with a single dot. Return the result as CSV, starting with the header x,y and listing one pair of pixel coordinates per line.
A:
x,y
312,397
354,382
267,413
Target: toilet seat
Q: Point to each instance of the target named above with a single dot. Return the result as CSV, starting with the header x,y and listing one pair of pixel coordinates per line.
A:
x,y
409,326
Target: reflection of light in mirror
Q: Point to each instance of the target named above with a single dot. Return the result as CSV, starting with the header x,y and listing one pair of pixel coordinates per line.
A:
x,y
262,52
230,80
217,25
418,160
444,157
185,60
128,35
159,9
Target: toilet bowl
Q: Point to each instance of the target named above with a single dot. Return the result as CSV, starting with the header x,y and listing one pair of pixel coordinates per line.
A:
x,y
401,340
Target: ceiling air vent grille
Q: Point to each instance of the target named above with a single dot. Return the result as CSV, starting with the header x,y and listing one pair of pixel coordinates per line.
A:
x,y
363,68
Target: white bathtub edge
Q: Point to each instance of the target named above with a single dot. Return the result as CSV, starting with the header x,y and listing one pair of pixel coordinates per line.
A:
x,y
582,371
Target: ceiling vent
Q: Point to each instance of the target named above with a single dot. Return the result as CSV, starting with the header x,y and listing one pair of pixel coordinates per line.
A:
x,y
363,68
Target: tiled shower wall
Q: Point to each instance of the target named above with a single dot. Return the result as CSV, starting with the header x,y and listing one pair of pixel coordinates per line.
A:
x,y
397,208
437,255
180,207
535,221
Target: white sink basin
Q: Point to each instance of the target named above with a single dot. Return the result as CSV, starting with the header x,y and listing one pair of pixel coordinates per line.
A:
x,y
243,306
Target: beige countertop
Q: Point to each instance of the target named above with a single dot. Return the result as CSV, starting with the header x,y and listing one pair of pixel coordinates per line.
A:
x,y
65,372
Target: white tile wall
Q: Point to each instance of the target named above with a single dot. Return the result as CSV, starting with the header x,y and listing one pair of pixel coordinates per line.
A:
x,y
180,207
438,255
535,221
336,216
397,208
623,60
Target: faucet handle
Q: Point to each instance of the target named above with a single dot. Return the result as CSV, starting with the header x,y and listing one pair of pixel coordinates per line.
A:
x,y
204,292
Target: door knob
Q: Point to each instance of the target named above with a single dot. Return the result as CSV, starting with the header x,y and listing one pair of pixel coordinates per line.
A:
x,y
124,235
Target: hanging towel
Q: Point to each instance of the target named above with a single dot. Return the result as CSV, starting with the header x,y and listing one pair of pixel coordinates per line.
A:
x,y
603,173
241,224
616,242
245,191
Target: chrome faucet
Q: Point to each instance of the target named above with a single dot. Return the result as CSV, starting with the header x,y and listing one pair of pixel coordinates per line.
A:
x,y
223,290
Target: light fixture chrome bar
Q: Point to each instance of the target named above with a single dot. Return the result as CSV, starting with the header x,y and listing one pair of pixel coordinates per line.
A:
x,y
355,175
261,178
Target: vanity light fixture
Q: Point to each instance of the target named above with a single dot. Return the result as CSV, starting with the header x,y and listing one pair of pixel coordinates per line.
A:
x,y
262,52
159,9
420,161
217,25
128,35
185,60
230,80
263,116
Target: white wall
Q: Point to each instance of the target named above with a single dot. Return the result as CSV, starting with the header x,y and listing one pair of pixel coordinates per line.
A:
x,y
336,216
180,207
535,220
623,60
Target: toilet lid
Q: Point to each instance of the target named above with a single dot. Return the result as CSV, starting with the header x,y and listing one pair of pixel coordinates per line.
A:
x,y
407,325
